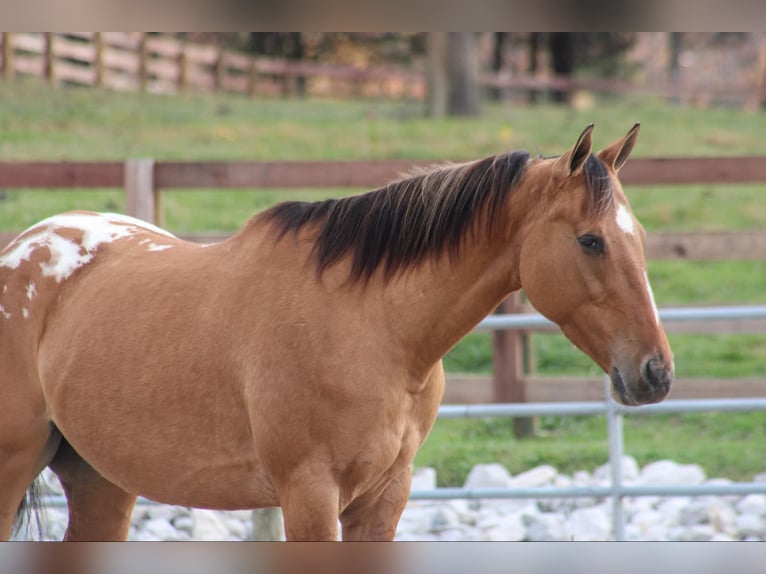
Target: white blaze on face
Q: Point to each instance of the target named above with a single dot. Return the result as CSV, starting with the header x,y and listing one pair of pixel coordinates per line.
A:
x,y
651,297
625,220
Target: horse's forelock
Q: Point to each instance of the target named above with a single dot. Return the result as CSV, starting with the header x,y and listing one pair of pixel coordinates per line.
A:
x,y
600,186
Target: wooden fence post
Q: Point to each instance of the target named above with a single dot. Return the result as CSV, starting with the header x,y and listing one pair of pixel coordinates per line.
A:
x,y
182,68
219,69
141,197
252,79
508,361
48,71
268,525
143,62
98,59
7,48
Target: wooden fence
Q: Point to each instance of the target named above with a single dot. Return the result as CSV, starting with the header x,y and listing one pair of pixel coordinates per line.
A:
x,y
144,180
137,61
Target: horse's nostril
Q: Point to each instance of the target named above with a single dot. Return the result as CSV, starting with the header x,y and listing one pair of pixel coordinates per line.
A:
x,y
655,373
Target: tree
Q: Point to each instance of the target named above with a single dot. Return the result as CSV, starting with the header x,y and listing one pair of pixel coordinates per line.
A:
x,y
453,74
436,74
563,60
288,45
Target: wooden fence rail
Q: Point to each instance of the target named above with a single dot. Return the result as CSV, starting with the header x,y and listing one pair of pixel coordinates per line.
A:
x,y
143,181
138,61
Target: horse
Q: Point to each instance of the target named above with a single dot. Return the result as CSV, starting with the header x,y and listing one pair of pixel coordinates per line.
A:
x,y
298,363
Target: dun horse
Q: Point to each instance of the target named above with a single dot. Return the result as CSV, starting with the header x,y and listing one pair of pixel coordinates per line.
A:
x,y
298,363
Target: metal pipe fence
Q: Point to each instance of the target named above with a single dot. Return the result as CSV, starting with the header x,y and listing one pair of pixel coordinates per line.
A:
x,y
614,413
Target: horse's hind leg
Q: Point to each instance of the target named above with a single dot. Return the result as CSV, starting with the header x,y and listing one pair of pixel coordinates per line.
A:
x,y
25,450
98,509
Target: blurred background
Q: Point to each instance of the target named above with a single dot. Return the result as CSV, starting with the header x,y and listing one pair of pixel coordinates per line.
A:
x,y
84,103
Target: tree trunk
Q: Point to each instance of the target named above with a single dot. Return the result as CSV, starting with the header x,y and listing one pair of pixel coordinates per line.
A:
x,y
463,73
563,61
676,43
287,45
436,73
535,42
498,48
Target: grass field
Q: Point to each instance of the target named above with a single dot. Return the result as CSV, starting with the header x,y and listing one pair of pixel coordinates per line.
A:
x,y
84,124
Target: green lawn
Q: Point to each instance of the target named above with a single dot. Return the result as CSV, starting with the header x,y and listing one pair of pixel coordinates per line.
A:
x,y
83,124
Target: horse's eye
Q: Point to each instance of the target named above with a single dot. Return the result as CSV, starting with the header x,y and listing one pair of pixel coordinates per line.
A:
x,y
591,243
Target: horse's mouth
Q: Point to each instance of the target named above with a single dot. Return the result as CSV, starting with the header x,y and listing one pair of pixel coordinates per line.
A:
x,y
620,391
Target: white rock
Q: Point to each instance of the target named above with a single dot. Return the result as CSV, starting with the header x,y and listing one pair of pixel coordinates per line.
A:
x,y
670,472
696,533
751,526
581,478
165,512
416,537
444,518
629,470
752,504
457,534
649,525
161,529
536,477
237,527
694,513
465,512
143,536
504,508
546,527
492,475
184,524
415,518
424,479
723,518
511,529
208,526
641,503
587,524
719,537
709,510
671,509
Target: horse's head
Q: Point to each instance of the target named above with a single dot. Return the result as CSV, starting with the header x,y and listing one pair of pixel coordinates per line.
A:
x,y
582,265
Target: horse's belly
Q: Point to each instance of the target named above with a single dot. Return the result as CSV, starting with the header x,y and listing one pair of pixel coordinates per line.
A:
x,y
176,442
152,462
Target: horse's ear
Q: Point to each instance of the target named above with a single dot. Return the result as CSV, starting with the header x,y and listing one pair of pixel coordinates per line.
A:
x,y
617,154
579,153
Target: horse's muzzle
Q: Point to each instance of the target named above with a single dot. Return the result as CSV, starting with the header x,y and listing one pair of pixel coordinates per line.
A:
x,y
650,386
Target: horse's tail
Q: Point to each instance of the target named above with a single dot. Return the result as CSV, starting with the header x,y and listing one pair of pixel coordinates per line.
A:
x,y
29,519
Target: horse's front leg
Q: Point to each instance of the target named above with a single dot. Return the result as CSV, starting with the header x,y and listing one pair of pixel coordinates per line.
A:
x,y
378,520
309,501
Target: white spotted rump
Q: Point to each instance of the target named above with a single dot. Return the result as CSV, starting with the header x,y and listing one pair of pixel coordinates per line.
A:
x,y
67,255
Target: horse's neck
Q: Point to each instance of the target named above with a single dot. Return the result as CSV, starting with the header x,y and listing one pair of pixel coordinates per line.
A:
x,y
438,304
